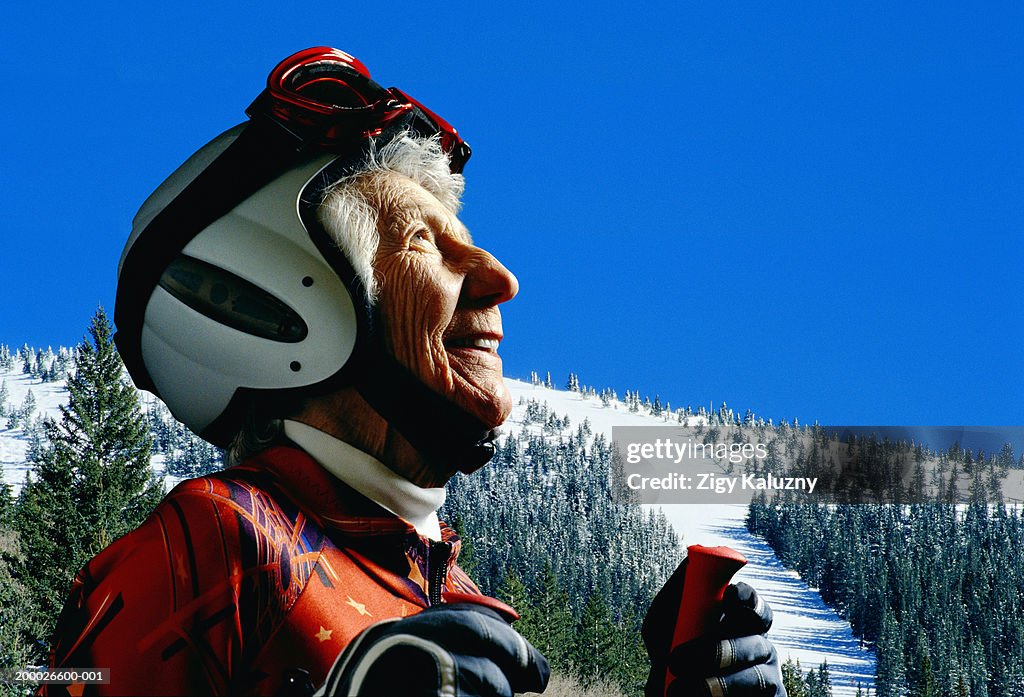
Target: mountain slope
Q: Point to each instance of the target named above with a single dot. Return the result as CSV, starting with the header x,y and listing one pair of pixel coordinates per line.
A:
x,y
14,441
805,628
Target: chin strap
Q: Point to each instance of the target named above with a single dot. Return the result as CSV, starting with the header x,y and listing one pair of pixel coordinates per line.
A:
x,y
446,435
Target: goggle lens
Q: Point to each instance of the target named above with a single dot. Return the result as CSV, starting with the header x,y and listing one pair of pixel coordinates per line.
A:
x,y
327,98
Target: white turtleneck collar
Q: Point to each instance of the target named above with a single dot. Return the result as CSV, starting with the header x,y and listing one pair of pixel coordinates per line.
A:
x,y
371,478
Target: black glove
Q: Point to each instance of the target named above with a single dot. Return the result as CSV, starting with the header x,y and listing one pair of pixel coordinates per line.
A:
x,y
736,659
457,650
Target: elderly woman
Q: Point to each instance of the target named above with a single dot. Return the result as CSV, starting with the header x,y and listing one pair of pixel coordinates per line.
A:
x,y
302,291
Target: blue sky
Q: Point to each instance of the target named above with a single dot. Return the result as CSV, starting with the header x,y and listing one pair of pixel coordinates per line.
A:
x,y
810,211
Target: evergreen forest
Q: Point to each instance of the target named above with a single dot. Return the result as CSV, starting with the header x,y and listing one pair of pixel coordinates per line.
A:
x,y
937,590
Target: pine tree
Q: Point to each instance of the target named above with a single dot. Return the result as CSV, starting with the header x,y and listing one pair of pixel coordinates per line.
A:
x,y
4,395
90,480
41,361
27,359
631,665
820,681
28,407
16,651
793,679
513,591
554,622
467,553
595,642
926,686
891,669
6,503
1005,459
573,383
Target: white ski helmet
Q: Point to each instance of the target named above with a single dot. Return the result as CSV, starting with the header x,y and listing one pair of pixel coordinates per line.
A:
x,y
229,289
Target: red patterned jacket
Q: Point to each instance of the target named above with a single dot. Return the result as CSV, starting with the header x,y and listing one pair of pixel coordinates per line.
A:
x,y
239,577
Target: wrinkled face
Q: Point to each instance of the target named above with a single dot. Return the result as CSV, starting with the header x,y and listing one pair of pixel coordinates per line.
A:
x,y
439,297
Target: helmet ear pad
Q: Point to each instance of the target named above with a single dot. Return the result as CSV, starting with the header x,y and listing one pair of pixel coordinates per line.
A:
x,y
206,367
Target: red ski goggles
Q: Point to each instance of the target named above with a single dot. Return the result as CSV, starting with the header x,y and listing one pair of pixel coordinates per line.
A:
x,y
326,98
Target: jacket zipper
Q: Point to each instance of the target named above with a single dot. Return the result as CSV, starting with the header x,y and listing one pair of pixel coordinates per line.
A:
x,y
439,553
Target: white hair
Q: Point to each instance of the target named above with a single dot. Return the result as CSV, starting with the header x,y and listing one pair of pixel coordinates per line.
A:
x,y
350,217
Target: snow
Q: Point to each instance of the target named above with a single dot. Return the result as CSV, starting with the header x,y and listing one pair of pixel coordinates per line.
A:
x,y
804,629
14,442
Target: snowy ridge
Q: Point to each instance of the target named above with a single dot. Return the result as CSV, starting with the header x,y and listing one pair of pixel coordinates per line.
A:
x,y
805,629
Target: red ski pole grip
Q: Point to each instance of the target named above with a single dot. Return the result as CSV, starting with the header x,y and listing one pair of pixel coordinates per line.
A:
x,y
708,573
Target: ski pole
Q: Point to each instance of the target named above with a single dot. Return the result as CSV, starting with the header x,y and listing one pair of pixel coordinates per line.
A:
x,y
708,572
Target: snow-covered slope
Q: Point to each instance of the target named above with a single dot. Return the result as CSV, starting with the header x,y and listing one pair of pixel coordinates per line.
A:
x,y
14,441
805,629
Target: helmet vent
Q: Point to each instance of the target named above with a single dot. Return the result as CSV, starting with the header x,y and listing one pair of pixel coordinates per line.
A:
x,y
231,300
